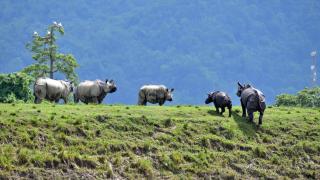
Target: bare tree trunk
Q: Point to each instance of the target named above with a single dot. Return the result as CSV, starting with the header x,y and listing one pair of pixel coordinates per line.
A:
x,y
51,54
51,66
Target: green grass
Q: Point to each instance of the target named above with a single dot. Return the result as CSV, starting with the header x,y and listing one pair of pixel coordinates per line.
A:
x,y
111,141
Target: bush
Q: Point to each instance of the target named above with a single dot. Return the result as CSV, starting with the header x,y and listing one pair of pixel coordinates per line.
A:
x,y
309,97
286,100
305,98
15,86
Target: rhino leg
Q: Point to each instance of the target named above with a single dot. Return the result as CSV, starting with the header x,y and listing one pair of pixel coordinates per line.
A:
x,y
230,110
37,100
75,98
65,99
243,109
260,117
40,93
223,109
85,100
95,100
250,114
142,101
216,106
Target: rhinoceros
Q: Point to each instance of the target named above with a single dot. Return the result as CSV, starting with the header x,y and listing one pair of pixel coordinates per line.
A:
x,y
52,90
93,91
154,94
252,100
220,100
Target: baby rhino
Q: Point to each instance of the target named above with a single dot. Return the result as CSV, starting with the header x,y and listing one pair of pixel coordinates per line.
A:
x,y
220,100
154,94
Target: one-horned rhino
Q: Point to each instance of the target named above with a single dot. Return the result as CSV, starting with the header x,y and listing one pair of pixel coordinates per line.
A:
x,y
154,94
93,91
251,100
220,100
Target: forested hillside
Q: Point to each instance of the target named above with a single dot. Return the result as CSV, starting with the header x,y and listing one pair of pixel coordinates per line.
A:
x,y
193,46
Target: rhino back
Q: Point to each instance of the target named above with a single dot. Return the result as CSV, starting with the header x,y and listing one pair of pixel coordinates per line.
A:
x,y
246,94
250,99
261,95
222,98
54,87
153,93
41,81
88,89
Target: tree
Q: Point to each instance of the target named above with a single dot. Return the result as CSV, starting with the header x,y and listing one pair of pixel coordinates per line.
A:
x,y
48,60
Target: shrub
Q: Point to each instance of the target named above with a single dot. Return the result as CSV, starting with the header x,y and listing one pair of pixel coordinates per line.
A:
x,y
15,86
309,97
286,100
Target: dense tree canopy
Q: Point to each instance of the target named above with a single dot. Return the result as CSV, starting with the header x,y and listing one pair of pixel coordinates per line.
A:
x,y
193,46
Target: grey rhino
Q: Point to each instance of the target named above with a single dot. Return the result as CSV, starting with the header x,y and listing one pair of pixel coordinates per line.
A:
x,y
252,100
52,90
93,91
220,100
154,94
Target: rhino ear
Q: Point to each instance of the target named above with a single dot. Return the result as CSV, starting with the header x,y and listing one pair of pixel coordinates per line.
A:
x,y
111,81
106,80
172,89
240,85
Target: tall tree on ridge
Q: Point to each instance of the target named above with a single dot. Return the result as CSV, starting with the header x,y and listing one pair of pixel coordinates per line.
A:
x,y
48,60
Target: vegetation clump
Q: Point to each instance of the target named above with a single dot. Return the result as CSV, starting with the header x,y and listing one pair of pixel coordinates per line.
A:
x,y
15,87
309,97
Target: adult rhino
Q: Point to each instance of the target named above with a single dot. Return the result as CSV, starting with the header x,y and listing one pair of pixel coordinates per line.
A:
x,y
93,91
154,94
52,90
252,100
220,100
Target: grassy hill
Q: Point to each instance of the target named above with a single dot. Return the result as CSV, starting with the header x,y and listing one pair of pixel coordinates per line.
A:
x,y
100,141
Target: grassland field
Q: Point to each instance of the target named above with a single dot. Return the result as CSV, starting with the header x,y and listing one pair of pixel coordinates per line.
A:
x,y
51,141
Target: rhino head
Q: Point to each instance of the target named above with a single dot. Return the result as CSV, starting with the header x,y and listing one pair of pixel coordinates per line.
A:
x,y
109,86
168,94
70,85
241,88
209,98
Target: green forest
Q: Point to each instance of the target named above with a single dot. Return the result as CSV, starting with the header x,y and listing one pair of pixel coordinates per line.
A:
x,y
192,46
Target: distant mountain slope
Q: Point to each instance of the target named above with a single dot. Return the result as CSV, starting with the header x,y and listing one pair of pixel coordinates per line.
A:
x,y
194,46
